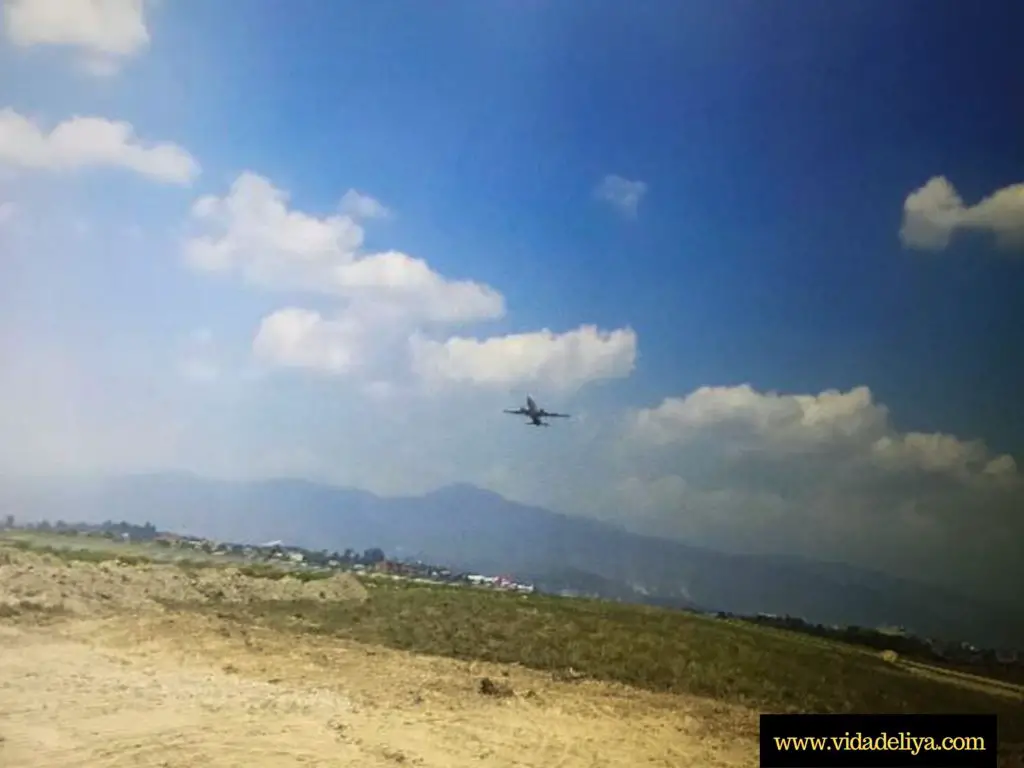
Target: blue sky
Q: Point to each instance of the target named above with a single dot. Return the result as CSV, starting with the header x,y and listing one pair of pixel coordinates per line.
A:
x,y
776,148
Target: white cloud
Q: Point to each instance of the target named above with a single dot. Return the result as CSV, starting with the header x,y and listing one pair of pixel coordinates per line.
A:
x,y
935,452
105,31
563,361
825,475
360,206
90,142
801,422
253,232
933,213
301,338
391,305
1001,466
623,194
832,421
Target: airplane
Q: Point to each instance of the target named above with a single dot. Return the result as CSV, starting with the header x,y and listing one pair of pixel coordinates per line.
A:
x,y
535,414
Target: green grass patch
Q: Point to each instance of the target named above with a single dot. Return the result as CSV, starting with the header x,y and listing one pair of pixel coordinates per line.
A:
x,y
650,648
77,554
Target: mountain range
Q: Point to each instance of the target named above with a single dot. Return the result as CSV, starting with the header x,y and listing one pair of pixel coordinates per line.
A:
x,y
465,527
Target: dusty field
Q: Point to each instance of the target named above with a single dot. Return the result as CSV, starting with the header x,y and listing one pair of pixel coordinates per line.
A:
x,y
45,582
145,686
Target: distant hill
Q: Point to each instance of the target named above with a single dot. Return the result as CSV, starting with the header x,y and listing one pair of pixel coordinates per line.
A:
x,y
466,527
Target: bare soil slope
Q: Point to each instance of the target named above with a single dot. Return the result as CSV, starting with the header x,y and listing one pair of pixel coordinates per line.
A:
x,y
145,686
29,580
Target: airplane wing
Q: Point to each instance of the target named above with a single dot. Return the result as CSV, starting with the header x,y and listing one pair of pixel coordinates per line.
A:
x,y
516,412
546,415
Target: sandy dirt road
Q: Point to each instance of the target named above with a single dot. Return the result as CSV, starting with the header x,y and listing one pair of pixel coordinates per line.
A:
x,y
190,690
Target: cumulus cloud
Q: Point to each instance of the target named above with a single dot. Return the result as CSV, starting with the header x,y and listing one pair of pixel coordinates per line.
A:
x,y
302,338
563,361
251,231
105,31
850,422
933,213
623,194
390,305
90,142
787,421
827,475
936,452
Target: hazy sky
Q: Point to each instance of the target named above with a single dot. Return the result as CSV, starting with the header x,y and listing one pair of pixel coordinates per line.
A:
x,y
771,255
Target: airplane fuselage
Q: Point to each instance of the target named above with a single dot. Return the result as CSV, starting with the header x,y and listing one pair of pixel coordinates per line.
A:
x,y
533,412
535,415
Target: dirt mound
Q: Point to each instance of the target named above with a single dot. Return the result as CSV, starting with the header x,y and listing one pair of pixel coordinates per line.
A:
x,y
45,582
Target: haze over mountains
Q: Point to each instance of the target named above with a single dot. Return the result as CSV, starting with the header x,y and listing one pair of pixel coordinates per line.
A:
x,y
468,528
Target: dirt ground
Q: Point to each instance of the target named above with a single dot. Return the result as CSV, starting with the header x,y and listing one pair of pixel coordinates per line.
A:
x,y
142,686
85,588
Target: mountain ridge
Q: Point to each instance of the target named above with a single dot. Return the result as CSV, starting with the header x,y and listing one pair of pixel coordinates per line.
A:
x,y
467,527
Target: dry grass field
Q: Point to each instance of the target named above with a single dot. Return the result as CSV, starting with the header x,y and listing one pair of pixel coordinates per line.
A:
x,y
111,658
